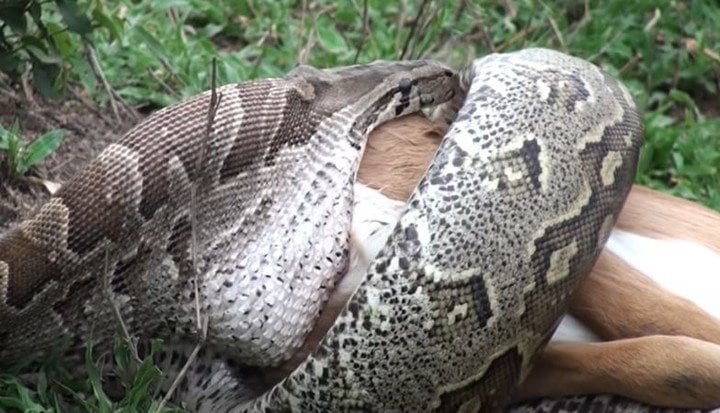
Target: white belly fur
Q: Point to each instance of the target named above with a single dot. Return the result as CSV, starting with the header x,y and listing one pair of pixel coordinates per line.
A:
x,y
687,269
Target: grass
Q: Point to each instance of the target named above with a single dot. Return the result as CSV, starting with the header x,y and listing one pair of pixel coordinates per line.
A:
x,y
667,53
21,155
56,390
157,52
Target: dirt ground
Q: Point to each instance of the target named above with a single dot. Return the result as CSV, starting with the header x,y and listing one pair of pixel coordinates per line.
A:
x,y
89,129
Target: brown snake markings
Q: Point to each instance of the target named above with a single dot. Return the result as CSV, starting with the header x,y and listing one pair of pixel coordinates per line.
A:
x,y
510,216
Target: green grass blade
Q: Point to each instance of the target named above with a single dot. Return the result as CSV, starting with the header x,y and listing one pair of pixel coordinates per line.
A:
x,y
40,149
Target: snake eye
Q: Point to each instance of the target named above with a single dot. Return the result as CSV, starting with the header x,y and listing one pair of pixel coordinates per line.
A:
x,y
404,86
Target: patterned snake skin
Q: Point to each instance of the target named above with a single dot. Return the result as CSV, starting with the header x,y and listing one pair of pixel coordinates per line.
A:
x,y
594,404
511,215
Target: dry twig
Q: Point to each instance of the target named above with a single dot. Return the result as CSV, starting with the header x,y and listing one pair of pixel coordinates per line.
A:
x,y
27,89
92,59
557,32
366,31
131,342
410,36
202,322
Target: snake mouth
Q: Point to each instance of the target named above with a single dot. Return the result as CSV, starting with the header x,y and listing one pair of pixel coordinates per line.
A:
x,y
397,155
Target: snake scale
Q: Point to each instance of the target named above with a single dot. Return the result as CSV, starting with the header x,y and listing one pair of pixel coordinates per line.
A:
x,y
508,219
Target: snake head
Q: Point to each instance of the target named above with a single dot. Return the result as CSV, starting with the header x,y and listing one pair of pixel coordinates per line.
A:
x,y
379,91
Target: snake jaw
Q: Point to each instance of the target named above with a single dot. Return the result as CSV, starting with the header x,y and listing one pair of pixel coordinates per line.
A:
x,y
379,91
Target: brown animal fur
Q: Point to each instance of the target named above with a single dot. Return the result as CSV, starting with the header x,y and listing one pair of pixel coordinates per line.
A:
x,y
657,215
670,371
397,155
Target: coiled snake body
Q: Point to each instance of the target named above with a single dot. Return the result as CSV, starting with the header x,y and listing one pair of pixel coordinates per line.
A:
x,y
511,215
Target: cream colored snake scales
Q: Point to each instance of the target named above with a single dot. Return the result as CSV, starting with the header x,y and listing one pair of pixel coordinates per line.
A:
x,y
509,218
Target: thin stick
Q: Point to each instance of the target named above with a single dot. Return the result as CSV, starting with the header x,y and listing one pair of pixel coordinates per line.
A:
x,y
183,370
511,10
583,21
100,76
116,308
485,37
445,36
605,47
128,108
90,105
711,54
557,32
412,28
212,110
113,96
303,15
366,31
27,90
429,19
521,36
161,82
653,21
637,57
202,322
304,55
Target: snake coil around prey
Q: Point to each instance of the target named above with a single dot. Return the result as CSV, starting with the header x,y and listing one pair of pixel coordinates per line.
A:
x,y
510,216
